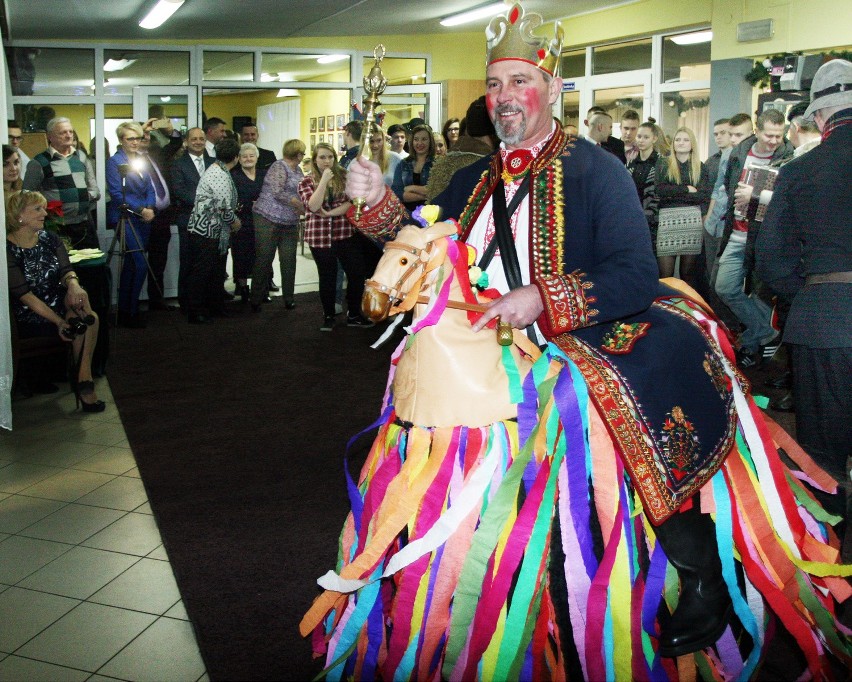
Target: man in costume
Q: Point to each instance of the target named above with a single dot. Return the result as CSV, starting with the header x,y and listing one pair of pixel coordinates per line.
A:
x,y
574,268
804,252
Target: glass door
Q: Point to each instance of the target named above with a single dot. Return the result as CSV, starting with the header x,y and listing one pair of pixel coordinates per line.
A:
x,y
617,93
177,103
401,103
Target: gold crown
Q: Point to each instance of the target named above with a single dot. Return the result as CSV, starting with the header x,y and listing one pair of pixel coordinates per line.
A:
x,y
511,37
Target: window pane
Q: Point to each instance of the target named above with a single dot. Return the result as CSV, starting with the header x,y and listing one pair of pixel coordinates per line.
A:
x,y
615,101
34,117
689,108
571,110
399,70
228,66
573,64
690,62
302,67
124,69
48,71
622,57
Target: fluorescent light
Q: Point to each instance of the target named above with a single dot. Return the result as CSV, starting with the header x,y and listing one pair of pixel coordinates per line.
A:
x,y
331,58
473,14
118,64
693,38
166,98
162,11
287,92
268,77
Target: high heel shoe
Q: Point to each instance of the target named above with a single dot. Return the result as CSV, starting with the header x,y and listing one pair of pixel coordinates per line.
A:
x,y
87,388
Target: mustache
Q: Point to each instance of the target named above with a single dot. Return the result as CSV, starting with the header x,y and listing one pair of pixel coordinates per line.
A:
x,y
507,109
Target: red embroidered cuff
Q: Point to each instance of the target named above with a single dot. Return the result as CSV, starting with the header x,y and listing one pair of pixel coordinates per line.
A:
x,y
566,303
382,221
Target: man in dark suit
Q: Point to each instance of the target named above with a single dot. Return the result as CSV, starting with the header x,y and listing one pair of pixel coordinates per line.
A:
x,y
159,158
804,251
265,157
612,144
186,172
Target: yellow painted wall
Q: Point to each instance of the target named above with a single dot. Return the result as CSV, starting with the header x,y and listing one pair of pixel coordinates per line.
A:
x,y
639,18
807,26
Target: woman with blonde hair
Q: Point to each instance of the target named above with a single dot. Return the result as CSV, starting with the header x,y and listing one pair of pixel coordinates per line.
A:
x,y
331,237
276,225
381,153
683,189
129,182
45,292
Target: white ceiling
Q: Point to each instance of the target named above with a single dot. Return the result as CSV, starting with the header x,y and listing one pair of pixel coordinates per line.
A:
x,y
102,21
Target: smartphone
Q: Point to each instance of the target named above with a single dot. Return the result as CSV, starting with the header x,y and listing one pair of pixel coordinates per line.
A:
x,y
161,123
183,130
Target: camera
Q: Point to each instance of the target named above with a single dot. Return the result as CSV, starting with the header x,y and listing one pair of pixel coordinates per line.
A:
x,y
78,325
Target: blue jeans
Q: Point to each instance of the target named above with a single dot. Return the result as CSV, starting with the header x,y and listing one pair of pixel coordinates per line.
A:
x,y
753,313
134,270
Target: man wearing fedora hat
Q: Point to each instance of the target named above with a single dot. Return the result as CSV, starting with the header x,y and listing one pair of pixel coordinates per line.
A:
x,y
804,251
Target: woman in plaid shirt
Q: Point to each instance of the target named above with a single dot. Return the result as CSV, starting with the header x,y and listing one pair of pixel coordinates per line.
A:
x,y
331,237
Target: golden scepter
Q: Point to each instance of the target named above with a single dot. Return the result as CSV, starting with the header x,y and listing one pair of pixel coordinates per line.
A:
x,y
374,85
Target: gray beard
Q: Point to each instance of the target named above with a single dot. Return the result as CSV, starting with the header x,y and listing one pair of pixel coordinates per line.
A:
x,y
504,135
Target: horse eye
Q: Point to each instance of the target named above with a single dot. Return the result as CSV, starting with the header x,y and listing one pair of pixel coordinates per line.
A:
x,y
403,261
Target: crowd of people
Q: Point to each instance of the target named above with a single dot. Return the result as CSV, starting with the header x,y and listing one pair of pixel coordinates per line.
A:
x,y
226,193
517,548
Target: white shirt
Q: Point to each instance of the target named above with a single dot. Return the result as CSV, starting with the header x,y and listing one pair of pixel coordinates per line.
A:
x,y
211,148
199,162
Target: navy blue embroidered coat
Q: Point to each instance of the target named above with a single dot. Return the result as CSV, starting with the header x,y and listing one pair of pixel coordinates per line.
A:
x,y
654,374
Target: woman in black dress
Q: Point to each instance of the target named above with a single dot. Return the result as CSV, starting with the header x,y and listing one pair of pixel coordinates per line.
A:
x,y
45,292
248,179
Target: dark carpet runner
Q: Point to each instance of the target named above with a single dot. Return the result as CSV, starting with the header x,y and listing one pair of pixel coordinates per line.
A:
x,y
239,429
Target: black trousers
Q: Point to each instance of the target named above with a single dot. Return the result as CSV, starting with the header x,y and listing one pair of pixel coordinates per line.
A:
x,y
158,253
823,405
204,279
350,253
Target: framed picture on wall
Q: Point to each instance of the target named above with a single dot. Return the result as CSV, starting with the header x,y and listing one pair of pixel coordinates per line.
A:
x,y
329,125
321,127
341,121
313,125
339,141
313,142
322,138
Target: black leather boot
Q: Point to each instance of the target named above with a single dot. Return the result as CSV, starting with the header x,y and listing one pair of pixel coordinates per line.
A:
x,y
704,607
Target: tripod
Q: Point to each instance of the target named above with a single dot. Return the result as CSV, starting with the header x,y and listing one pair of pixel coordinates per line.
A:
x,y
125,222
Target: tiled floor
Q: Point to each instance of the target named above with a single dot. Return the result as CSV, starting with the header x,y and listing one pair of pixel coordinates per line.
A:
x,y
86,588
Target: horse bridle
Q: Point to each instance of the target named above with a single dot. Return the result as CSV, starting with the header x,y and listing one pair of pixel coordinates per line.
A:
x,y
395,294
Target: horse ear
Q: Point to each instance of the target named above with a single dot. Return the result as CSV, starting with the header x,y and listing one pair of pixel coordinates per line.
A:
x,y
438,230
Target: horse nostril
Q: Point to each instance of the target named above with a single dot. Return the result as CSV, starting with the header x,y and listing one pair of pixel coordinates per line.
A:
x,y
375,304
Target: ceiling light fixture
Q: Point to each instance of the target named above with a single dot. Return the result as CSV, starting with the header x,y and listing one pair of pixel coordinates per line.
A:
x,y
474,14
288,92
331,58
118,64
693,38
161,12
268,77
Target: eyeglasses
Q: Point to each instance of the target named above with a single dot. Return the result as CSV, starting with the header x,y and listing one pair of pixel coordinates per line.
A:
x,y
133,139
16,138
